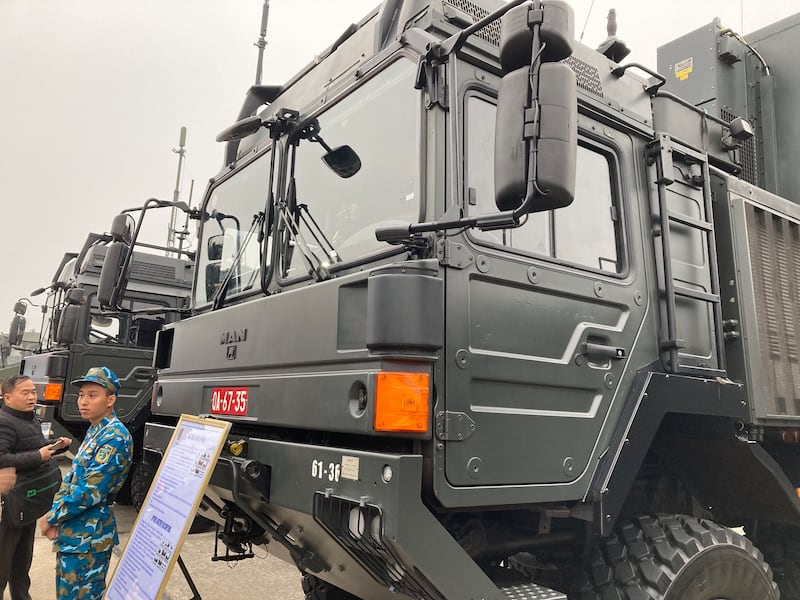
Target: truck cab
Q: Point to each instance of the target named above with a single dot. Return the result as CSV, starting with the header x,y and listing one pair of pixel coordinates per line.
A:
x,y
80,335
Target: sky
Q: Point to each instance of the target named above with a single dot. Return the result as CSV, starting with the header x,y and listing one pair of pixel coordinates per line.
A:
x,y
94,93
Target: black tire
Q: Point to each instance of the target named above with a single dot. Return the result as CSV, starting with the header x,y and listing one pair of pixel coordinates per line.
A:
x,y
141,476
676,557
781,547
317,589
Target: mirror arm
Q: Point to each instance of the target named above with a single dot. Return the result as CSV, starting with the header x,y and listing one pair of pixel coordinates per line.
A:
x,y
457,40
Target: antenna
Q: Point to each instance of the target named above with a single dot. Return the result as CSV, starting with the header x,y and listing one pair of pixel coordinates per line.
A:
x,y
262,41
589,14
184,233
173,215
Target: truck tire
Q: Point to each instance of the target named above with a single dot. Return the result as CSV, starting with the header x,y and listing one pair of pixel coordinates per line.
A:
x,y
781,546
141,476
676,557
317,589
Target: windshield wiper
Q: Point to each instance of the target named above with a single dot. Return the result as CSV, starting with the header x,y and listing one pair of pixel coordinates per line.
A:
x,y
317,266
218,299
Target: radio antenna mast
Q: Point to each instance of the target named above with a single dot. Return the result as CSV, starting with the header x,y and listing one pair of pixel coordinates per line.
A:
x,y
589,14
262,41
173,216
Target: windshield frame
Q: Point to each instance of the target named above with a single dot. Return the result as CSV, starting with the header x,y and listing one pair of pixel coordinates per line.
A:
x,y
281,239
276,152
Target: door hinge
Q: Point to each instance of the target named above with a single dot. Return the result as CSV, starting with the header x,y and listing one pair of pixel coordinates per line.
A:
x,y
454,426
453,254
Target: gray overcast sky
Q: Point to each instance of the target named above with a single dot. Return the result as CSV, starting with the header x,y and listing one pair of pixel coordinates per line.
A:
x,y
95,91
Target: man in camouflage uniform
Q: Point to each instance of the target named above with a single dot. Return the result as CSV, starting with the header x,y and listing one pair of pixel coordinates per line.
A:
x,y
80,522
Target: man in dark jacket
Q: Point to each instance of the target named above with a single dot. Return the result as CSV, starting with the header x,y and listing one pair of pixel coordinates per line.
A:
x,y
23,447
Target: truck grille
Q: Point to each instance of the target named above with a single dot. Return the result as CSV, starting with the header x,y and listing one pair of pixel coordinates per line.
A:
x,y
587,76
359,530
774,244
490,33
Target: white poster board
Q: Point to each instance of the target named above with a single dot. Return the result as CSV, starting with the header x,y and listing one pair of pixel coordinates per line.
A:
x,y
163,522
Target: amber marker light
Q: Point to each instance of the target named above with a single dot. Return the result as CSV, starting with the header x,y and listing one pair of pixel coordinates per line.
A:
x,y
401,402
52,391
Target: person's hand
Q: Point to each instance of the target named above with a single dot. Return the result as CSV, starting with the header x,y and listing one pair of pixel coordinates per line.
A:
x,y
46,453
65,443
8,477
47,530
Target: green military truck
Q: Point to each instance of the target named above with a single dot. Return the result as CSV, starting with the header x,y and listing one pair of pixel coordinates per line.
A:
x,y
77,334
496,315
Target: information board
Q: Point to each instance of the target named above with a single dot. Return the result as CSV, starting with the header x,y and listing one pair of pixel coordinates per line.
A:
x,y
163,521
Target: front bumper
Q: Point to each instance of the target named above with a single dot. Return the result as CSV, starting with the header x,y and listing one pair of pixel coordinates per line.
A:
x,y
353,518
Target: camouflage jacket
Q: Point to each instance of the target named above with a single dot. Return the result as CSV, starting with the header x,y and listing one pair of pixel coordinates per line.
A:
x,y
81,507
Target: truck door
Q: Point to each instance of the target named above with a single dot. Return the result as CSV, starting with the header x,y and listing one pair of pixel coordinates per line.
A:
x,y
541,320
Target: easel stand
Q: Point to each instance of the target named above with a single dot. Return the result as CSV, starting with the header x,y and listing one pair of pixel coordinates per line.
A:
x,y
189,580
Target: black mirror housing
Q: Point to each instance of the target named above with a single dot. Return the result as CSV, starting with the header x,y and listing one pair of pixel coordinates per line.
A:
x,y
107,288
343,161
20,307
68,324
214,247
16,330
121,230
557,141
213,278
556,33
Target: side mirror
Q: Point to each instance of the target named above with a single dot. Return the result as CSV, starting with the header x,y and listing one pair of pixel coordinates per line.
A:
x,y
240,129
76,295
108,288
214,247
343,161
121,230
16,330
213,278
537,110
20,308
68,324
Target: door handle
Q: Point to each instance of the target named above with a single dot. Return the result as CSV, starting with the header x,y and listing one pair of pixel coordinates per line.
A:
x,y
603,351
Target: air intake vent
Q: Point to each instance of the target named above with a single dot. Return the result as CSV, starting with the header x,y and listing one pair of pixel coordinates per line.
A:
x,y
587,75
490,33
774,244
747,153
151,272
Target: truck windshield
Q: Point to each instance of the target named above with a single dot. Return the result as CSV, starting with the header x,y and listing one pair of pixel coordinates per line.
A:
x,y
233,208
380,121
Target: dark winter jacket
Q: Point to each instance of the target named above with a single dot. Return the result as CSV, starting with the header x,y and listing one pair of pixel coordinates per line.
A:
x,y
20,440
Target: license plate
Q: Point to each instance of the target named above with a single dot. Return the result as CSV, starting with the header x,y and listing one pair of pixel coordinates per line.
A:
x,y
229,401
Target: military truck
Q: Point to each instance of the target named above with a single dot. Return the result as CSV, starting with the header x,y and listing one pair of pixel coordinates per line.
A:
x,y
496,315
77,334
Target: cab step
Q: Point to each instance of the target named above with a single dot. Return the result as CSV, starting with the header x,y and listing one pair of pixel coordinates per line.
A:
x,y
531,591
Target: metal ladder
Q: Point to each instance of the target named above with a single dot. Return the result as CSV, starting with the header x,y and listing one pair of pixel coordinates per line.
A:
x,y
663,152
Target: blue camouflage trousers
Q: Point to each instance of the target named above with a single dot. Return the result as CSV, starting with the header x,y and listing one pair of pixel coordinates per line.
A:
x,y
81,576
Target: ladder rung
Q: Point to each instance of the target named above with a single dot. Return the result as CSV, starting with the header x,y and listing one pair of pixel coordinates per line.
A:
x,y
689,293
690,221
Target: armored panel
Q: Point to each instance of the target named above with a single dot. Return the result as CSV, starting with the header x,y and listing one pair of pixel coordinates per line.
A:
x,y
759,236
774,245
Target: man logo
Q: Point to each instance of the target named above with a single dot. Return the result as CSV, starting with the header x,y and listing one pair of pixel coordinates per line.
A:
x,y
231,352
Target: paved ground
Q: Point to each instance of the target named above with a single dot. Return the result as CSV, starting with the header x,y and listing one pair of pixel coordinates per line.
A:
x,y
261,578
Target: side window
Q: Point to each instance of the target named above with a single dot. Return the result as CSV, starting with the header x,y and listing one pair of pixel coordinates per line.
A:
x,y
587,233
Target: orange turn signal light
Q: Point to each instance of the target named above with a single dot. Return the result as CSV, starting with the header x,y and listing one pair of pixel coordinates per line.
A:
x,y
401,402
52,391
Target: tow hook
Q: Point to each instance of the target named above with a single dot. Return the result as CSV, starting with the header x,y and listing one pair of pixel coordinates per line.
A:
x,y
235,536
